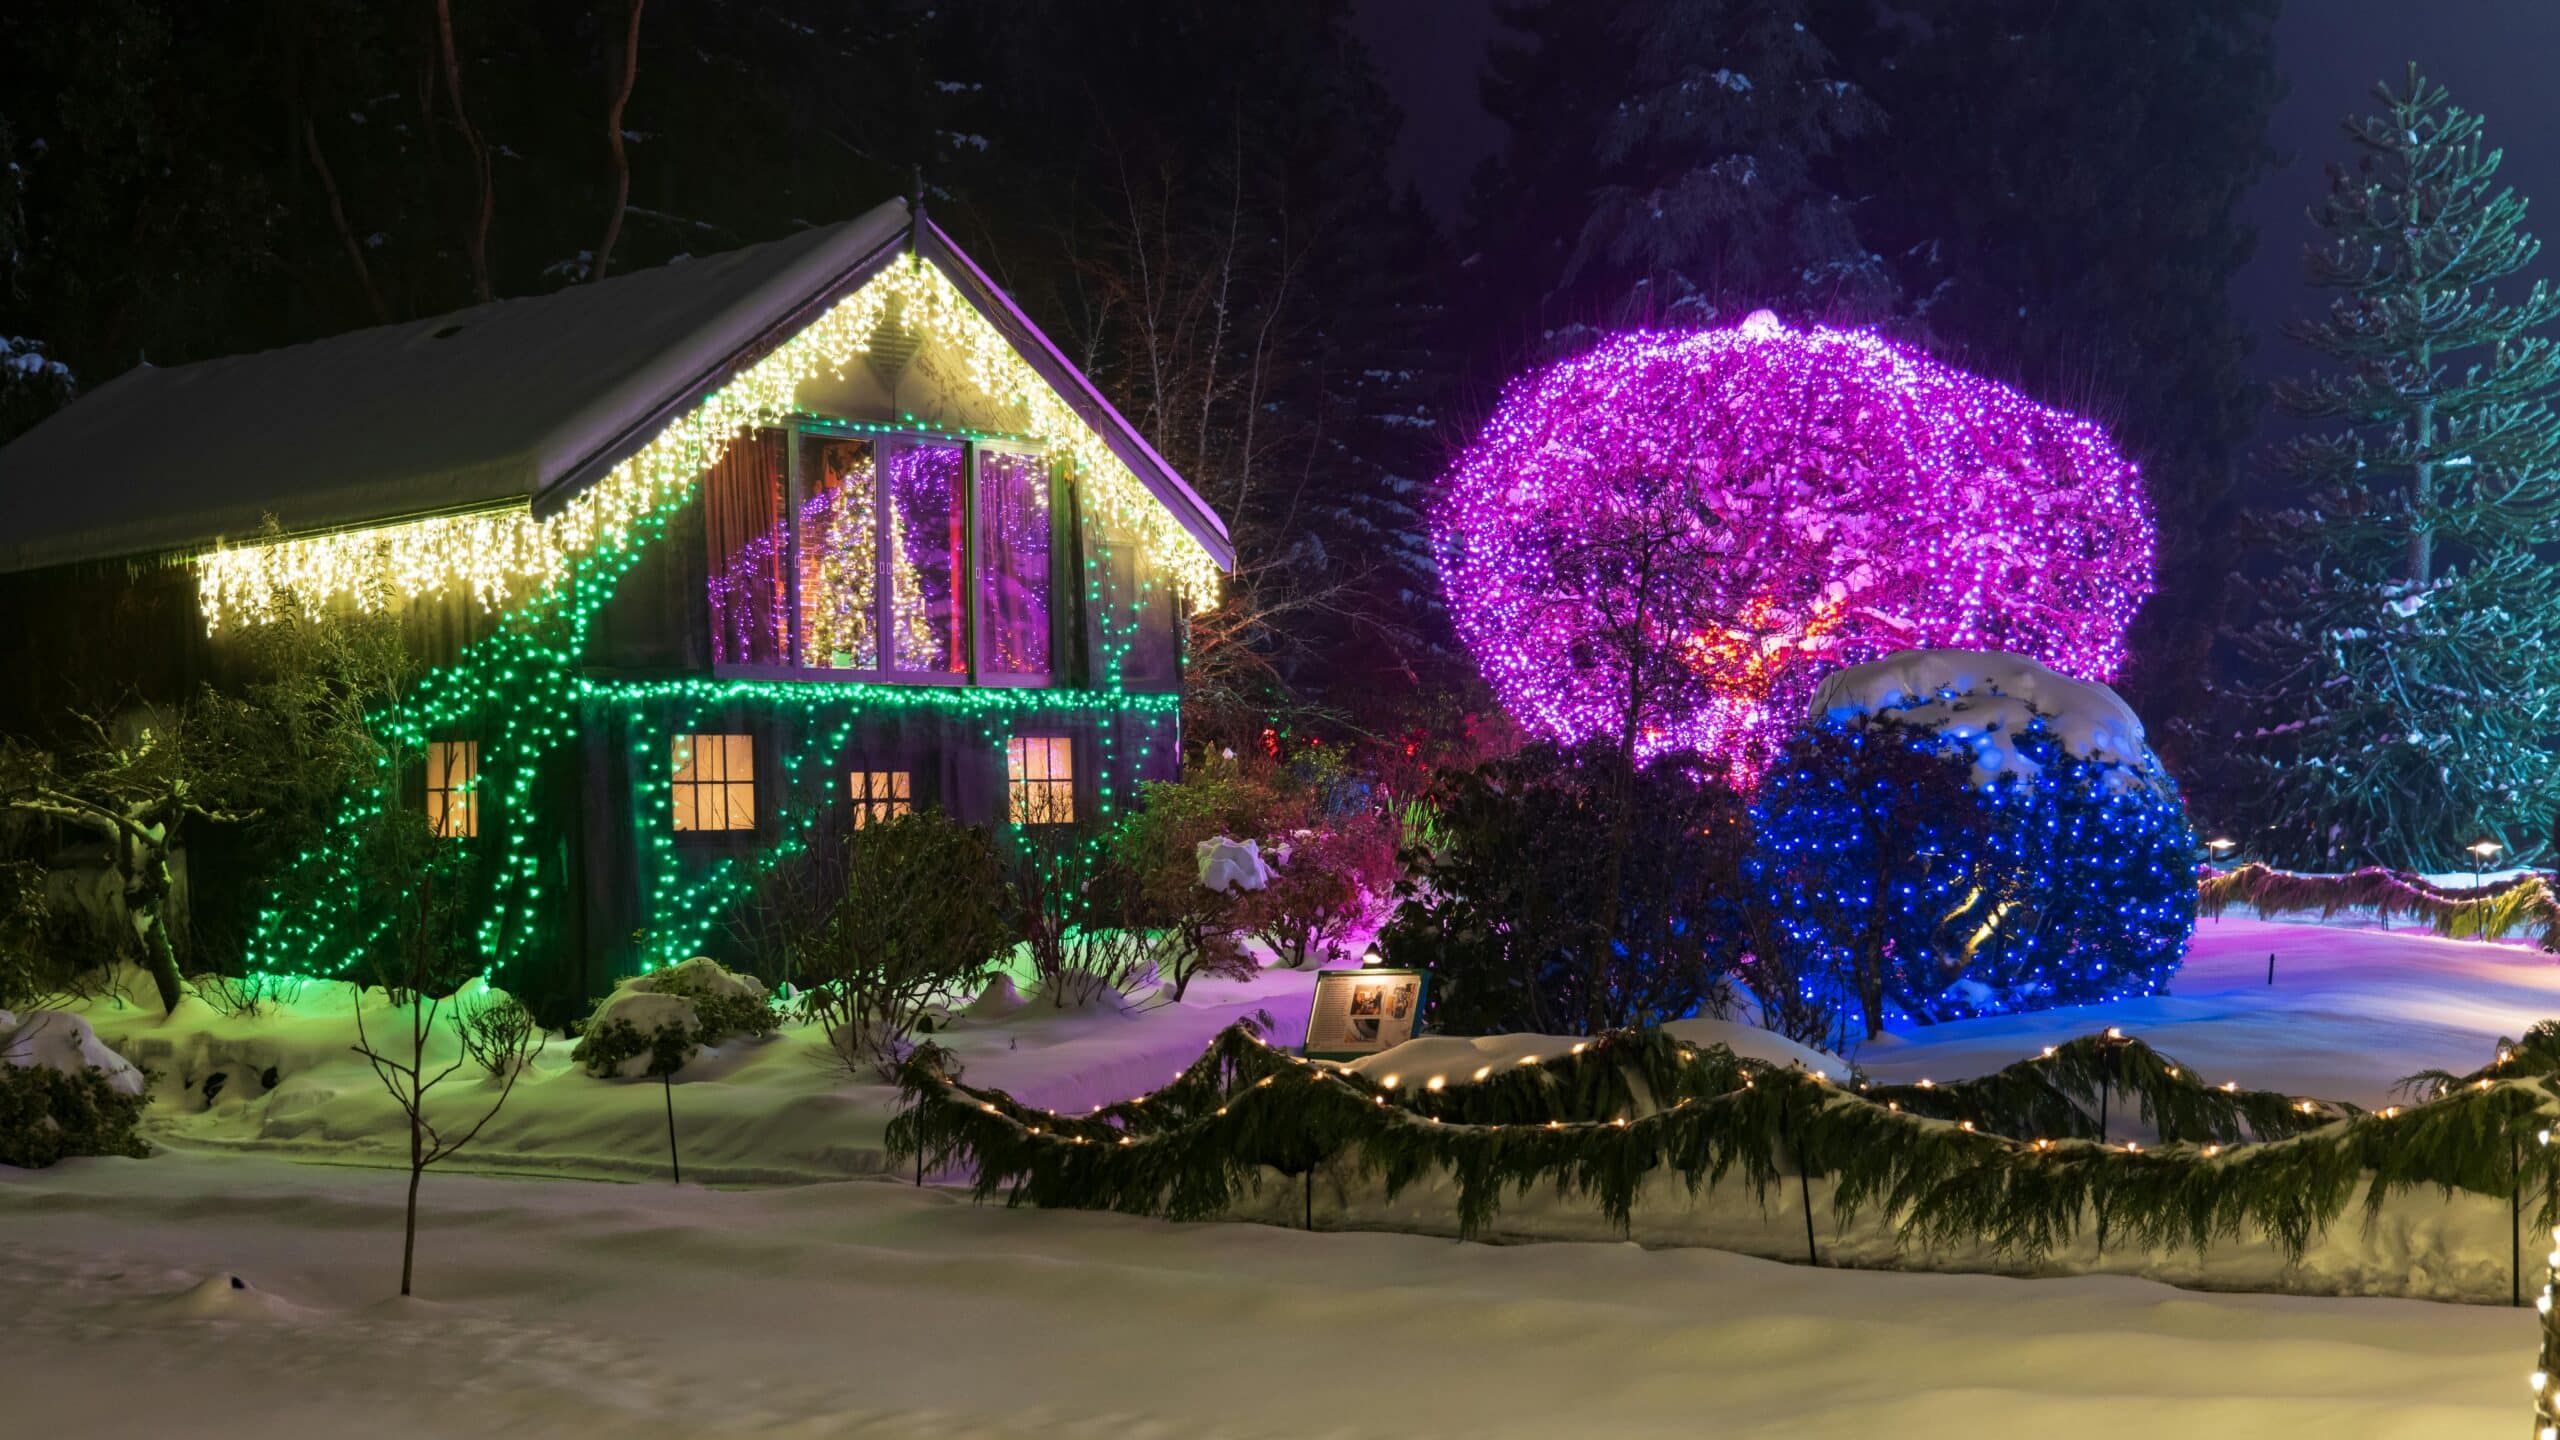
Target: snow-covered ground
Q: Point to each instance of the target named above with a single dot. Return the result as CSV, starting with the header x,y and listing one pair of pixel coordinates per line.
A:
x,y
2351,1010
877,1310
859,1307
772,1111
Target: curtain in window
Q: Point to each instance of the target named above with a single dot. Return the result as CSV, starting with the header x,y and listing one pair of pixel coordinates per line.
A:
x,y
1013,558
742,521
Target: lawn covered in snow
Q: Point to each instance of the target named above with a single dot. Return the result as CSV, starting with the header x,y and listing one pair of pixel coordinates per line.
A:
x,y
878,1310
857,1307
2351,1010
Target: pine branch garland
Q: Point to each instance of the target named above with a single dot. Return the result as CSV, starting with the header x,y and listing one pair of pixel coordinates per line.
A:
x,y
1953,1164
2488,912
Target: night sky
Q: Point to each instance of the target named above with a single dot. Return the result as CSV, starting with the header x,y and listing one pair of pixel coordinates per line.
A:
x,y
2496,55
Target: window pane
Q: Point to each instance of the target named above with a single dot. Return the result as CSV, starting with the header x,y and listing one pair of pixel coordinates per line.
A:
x,y
452,766
1013,555
713,782
742,522
926,568
839,576
1040,779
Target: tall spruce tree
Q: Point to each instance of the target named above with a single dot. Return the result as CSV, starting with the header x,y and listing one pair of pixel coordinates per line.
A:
x,y
2018,192
1672,162
2399,692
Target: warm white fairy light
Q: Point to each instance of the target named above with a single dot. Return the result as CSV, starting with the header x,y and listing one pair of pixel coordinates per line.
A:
x,y
500,554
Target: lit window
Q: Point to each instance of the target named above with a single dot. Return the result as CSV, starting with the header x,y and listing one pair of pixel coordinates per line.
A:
x,y
1040,779
880,795
453,774
1013,546
839,563
925,555
715,782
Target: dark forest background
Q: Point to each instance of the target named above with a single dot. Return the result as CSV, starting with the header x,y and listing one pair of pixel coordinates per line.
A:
x,y
1194,198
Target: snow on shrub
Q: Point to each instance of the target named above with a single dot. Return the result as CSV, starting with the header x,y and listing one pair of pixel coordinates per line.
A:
x,y
63,1092
652,1024
1962,834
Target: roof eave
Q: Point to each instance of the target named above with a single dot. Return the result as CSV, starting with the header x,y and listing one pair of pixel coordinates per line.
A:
x,y
1070,384
635,437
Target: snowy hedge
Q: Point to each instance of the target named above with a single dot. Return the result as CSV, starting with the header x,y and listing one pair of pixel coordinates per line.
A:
x,y
63,1092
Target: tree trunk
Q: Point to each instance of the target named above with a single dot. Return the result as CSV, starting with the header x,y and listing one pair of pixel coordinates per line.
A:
x,y
164,960
2422,493
613,141
409,1233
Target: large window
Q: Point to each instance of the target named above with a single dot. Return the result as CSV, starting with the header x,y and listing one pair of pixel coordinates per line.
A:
x,y
1040,780
453,785
714,786
839,554
875,555
1013,564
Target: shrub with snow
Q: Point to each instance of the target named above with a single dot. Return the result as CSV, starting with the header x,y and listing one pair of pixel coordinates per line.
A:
x,y
63,1092
652,1024
2060,871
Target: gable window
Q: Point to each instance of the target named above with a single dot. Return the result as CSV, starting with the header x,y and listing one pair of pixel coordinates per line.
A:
x,y
453,774
714,786
880,795
927,559
1013,556
839,559
1040,779
891,556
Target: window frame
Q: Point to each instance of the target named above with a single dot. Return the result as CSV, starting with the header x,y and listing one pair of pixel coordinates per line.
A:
x,y
884,440
753,781
870,808
1074,782
468,788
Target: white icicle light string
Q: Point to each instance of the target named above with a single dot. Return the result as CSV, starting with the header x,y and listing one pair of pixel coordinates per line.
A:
x,y
500,555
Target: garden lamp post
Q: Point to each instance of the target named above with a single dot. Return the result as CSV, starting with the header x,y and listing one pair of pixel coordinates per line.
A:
x,y
2481,850
2221,846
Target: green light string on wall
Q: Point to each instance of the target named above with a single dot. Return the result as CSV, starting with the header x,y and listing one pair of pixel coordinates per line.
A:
x,y
683,912
524,679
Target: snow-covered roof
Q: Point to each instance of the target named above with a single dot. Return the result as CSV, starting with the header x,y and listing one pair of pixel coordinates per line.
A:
x,y
513,402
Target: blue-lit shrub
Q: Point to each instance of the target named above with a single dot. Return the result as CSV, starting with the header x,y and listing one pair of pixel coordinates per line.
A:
x,y
1898,882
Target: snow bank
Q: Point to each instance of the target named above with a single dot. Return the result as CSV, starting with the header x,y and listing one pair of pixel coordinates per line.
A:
x,y
1458,1056
886,1311
60,1040
1988,700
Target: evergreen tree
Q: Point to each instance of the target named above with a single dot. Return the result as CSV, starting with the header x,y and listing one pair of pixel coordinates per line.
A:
x,y
1673,162
2058,203
2400,695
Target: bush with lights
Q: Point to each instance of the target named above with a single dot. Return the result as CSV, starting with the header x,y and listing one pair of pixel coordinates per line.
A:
x,y
1959,834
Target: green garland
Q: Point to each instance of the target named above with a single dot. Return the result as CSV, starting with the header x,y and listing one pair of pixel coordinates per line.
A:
x,y
2010,1160
2489,912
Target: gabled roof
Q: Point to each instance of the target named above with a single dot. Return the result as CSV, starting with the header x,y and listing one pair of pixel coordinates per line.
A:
x,y
514,402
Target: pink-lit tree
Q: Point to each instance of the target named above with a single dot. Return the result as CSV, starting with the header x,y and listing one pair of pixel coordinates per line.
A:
x,y
1669,539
